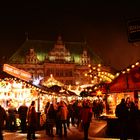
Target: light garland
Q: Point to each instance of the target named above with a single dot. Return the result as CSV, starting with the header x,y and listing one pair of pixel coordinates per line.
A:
x,y
19,84
127,70
97,75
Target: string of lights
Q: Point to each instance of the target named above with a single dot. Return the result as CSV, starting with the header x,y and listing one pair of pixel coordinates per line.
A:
x,y
128,69
98,75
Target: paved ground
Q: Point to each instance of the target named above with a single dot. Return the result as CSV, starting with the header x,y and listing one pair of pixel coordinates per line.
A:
x,y
96,132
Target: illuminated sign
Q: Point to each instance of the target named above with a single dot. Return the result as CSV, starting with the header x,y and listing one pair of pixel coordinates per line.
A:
x,y
21,74
133,27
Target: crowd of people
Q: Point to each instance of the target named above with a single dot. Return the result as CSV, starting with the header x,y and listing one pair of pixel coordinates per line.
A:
x,y
61,115
58,114
27,116
97,108
128,116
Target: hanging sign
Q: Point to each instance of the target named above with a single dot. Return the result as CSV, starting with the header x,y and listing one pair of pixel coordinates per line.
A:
x,y
21,74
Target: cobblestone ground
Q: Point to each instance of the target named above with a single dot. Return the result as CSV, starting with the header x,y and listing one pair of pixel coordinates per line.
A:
x,y
96,132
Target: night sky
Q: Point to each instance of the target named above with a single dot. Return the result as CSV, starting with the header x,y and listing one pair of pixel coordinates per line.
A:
x,y
102,24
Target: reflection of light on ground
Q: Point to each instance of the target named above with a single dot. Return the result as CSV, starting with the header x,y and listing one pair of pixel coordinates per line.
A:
x,y
104,138
17,134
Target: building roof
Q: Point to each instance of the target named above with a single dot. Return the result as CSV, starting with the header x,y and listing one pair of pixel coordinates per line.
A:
x,y
42,48
128,81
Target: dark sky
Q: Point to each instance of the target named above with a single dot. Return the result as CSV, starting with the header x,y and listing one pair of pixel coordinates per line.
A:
x,y
102,24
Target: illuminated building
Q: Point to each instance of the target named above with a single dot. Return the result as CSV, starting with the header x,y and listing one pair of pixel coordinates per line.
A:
x,y
66,61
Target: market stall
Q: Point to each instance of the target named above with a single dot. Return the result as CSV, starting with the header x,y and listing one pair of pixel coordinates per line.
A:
x,y
127,84
16,88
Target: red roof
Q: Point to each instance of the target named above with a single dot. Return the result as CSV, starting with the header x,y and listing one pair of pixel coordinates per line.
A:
x,y
134,79
129,81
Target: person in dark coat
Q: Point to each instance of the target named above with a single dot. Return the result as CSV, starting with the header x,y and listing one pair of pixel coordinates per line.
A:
x,y
22,111
122,113
47,107
32,121
51,120
133,120
3,117
12,117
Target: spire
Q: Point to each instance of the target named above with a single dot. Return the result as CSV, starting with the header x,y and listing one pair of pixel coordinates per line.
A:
x,y
85,40
85,43
27,36
59,40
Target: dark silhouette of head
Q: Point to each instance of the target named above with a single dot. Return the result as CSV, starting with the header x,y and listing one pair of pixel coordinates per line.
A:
x,y
33,103
122,101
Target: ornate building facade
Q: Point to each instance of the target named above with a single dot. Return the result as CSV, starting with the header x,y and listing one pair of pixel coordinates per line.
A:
x,y
66,61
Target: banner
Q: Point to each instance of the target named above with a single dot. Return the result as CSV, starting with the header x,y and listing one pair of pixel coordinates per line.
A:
x,y
21,74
